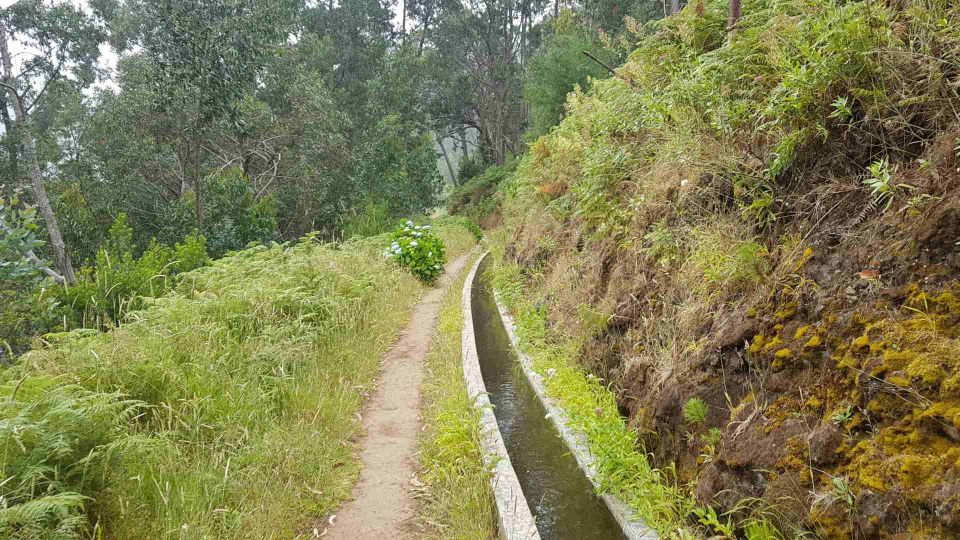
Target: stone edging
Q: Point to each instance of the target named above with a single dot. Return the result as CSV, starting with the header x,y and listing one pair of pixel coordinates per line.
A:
x,y
633,527
516,521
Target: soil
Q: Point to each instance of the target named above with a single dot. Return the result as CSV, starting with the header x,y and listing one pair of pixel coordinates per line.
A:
x,y
831,384
383,505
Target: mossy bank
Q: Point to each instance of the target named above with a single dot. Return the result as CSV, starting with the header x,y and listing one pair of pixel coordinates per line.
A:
x,y
752,238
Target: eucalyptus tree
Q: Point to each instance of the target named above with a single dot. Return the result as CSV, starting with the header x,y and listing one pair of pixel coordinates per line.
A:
x,y
488,43
207,55
55,43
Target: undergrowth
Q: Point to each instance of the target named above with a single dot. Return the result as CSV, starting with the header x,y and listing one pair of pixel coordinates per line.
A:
x,y
224,409
729,186
456,501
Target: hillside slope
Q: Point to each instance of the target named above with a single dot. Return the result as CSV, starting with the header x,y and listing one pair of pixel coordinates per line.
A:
x,y
754,239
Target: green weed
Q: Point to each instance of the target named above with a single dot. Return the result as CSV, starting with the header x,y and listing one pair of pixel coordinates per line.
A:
x,y
695,411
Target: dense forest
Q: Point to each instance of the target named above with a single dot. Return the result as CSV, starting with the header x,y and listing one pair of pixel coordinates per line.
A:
x,y
727,232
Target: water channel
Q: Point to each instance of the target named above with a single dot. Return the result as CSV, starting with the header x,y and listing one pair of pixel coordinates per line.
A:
x,y
560,496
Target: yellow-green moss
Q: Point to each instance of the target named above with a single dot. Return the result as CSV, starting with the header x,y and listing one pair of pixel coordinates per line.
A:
x,y
813,342
860,343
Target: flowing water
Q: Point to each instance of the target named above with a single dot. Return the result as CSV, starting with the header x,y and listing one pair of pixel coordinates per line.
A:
x,y
560,496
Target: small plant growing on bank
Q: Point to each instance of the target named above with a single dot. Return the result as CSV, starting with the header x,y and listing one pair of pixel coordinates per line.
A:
x,y
695,411
417,248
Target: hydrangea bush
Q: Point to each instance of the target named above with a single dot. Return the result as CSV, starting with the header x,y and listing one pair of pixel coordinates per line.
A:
x,y
416,247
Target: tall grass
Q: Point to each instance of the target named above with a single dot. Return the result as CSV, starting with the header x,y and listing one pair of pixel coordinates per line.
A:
x,y
457,501
225,409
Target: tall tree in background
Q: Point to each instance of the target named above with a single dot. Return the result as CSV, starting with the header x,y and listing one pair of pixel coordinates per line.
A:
x,y
211,52
66,41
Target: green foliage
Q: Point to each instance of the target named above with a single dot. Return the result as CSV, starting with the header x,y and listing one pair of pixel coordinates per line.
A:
x,y
53,435
661,244
121,282
416,247
225,405
398,168
471,166
232,217
880,182
709,518
695,411
18,235
476,198
558,68
722,262
457,501
372,218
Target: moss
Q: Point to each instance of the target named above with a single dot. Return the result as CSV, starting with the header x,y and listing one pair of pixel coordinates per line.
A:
x,y
927,369
860,343
773,344
916,471
802,331
898,380
782,358
786,311
896,360
784,354
812,343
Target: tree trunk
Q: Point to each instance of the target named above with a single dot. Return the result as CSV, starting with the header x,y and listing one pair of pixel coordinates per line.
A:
x,y
446,159
556,8
22,125
196,169
403,24
674,6
13,149
736,10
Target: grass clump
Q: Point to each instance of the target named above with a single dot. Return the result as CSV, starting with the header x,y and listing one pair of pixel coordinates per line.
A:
x,y
457,501
224,409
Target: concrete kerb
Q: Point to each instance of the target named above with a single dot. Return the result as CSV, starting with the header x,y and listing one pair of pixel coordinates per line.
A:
x,y
633,527
515,520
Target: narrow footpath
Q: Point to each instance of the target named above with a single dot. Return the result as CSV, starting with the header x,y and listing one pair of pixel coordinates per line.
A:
x,y
383,505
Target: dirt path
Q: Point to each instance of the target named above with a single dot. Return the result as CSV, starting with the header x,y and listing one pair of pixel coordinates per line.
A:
x,y
383,506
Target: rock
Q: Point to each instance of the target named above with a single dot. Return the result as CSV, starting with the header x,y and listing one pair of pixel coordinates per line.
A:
x,y
824,442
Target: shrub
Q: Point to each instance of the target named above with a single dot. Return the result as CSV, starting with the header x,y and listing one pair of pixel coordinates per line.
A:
x,y
372,218
104,293
476,199
417,248
232,217
558,68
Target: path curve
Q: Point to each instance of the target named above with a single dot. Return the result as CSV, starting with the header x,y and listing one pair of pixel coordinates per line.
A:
x,y
383,507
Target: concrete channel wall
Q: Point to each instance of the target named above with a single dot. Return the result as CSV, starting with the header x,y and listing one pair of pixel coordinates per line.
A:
x,y
516,521
633,527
